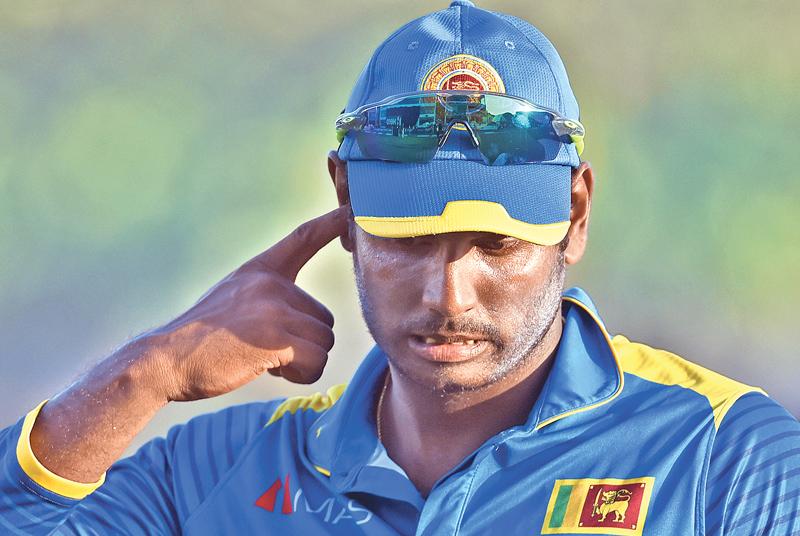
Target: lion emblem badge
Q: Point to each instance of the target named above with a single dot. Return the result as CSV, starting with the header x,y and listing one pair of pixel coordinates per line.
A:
x,y
598,506
615,501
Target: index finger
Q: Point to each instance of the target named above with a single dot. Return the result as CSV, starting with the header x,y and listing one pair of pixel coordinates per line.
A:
x,y
293,251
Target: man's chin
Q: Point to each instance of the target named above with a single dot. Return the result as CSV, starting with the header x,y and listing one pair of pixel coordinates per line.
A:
x,y
449,377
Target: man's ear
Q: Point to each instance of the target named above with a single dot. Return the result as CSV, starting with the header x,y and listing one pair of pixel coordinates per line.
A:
x,y
337,169
582,190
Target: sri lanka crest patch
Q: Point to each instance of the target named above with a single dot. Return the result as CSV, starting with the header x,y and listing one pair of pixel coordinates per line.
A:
x,y
598,506
463,72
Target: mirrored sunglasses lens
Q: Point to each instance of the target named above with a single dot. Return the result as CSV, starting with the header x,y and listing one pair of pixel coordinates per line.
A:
x,y
515,137
402,131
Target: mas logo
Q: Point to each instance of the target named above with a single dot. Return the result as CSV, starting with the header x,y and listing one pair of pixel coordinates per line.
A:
x,y
598,506
327,510
463,72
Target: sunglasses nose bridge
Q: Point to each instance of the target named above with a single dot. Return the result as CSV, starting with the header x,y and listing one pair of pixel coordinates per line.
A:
x,y
450,126
472,133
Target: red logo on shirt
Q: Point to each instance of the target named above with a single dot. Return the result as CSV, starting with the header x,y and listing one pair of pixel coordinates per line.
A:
x,y
268,498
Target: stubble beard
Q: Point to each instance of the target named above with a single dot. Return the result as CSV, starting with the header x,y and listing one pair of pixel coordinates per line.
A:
x,y
508,359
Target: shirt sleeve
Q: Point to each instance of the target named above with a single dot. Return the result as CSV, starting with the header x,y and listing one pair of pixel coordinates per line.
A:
x,y
151,492
753,482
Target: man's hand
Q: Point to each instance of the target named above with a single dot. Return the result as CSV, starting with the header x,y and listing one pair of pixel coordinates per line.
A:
x,y
255,319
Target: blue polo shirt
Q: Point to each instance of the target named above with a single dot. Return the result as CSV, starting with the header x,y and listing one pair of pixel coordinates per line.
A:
x,y
623,439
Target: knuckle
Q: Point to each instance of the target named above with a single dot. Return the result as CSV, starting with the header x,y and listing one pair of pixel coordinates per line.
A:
x,y
313,305
245,284
267,308
276,287
330,339
262,279
327,314
279,309
253,266
323,313
311,378
315,372
257,266
302,232
245,268
242,286
311,373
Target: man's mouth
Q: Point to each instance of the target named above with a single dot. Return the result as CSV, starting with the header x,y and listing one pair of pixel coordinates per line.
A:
x,y
432,340
448,347
447,339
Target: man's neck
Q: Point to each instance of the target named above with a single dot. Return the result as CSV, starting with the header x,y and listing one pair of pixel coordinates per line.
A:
x,y
427,434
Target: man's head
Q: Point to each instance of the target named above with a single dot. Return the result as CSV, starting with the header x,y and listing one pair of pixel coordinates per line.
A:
x,y
488,268
490,286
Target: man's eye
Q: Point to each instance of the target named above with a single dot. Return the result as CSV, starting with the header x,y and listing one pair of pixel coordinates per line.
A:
x,y
499,244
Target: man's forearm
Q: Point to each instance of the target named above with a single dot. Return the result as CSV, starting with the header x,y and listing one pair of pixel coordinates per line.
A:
x,y
255,319
82,431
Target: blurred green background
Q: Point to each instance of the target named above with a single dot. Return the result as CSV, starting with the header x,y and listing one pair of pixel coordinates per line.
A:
x,y
143,157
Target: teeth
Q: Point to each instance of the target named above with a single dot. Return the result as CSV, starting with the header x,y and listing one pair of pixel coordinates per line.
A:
x,y
431,340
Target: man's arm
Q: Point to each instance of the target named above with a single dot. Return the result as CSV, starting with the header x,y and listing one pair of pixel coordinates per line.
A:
x,y
152,492
84,429
753,482
254,320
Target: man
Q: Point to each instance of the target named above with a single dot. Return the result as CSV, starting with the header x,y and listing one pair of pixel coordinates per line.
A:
x,y
491,403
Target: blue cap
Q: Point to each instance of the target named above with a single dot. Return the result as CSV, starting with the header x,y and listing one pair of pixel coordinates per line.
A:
x,y
464,47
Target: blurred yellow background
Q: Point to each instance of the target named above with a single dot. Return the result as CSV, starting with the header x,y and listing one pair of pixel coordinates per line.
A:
x,y
149,148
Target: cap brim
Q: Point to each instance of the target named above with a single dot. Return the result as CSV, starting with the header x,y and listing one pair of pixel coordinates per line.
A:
x,y
396,200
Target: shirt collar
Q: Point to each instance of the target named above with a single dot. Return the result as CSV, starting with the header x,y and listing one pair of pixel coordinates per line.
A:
x,y
585,375
586,372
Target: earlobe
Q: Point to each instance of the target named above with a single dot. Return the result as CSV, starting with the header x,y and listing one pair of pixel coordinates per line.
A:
x,y
582,190
337,168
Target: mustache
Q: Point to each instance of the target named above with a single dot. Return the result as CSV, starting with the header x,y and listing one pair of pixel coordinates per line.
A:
x,y
486,330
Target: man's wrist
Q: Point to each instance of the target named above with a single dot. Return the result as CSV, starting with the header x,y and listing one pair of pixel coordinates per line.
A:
x,y
41,475
146,367
85,428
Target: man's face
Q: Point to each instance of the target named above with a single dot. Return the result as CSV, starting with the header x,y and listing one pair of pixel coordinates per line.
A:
x,y
503,292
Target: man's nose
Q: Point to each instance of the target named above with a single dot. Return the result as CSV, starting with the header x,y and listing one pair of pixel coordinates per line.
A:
x,y
450,283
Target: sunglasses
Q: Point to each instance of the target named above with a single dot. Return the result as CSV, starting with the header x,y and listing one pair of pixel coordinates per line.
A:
x,y
411,127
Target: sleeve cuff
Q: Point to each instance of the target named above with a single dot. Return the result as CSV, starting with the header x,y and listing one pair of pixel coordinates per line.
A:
x,y
42,475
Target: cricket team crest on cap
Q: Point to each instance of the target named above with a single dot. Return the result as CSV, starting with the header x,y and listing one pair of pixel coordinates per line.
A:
x,y
598,506
463,72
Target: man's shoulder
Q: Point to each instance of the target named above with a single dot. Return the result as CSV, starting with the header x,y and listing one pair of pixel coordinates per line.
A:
x,y
299,405
248,418
663,368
